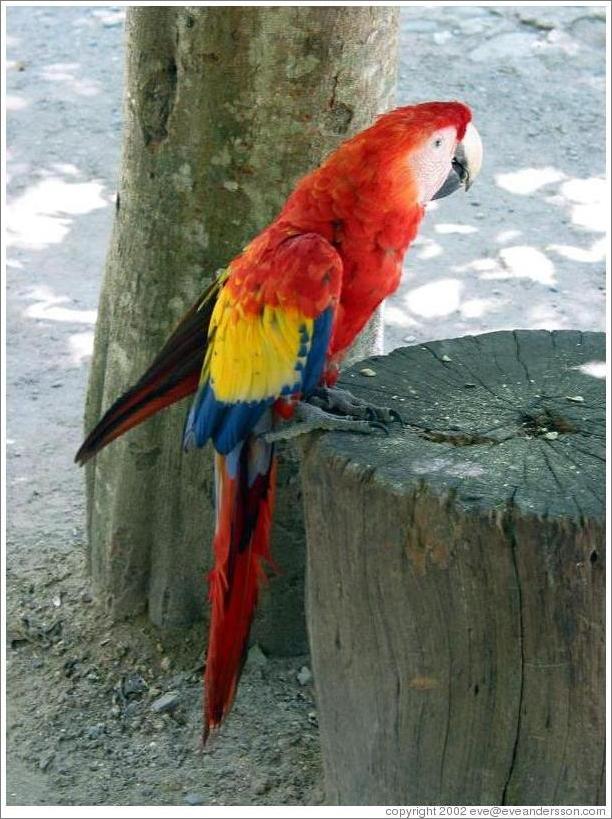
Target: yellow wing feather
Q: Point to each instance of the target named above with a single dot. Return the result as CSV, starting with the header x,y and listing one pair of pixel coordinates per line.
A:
x,y
253,356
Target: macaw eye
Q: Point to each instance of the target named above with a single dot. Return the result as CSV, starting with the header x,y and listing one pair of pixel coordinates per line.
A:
x,y
438,142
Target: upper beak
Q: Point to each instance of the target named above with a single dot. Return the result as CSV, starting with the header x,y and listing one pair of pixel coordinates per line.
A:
x,y
465,164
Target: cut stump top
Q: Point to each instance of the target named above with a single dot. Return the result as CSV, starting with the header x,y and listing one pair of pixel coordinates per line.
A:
x,y
503,419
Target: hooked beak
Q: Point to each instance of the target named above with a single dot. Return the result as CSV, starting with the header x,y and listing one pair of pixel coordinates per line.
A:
x,y
465,164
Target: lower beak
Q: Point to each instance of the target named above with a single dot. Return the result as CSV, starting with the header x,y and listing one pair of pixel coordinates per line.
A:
x,y
465,165
457,178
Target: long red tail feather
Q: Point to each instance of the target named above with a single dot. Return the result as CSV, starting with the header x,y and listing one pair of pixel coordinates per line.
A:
x,y
245,498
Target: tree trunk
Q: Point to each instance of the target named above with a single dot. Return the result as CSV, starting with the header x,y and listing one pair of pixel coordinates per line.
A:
x,y
456,581
224,109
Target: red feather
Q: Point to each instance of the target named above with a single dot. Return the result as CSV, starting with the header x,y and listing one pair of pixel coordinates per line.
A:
x,y
241,545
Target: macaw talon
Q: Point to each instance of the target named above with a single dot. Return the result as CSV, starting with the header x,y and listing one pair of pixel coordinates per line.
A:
x,y
384,414
337,401
310,418
396,416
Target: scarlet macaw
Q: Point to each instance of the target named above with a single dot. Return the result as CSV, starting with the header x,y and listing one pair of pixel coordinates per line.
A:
x,y
276,324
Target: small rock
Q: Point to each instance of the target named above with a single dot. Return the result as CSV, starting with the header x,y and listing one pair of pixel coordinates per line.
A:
x,y
535,22
409,339
312,717
446,358
166,703
261,786
469,385
576,399
368,372
70,666
57,384
304,675
46,760
133,686
165,663
256,658
63,767
95,731
87,598
551,436
193,798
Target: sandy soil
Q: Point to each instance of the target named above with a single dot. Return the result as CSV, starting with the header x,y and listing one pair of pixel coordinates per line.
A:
x,y
524,249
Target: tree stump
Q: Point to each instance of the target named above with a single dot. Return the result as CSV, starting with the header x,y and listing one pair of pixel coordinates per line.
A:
x,y
455,591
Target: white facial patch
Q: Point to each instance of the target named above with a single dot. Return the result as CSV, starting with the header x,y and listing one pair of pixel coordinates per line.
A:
x,y
431,164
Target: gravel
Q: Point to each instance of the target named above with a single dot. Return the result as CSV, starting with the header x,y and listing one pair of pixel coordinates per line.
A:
x,y
166,703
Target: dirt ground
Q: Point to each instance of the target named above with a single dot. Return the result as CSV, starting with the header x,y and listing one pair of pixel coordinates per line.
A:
x,y
525,248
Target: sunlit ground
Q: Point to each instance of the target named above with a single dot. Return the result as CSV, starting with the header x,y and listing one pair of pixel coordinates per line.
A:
x,y
469,270
582,201
596,369
43,214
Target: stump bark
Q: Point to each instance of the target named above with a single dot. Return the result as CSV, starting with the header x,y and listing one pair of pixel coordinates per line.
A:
x,y
455,582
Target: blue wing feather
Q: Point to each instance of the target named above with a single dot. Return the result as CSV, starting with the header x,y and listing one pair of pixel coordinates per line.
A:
x,y
228,424
315,360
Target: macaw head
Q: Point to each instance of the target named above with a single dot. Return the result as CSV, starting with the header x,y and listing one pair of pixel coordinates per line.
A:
x,y
433,146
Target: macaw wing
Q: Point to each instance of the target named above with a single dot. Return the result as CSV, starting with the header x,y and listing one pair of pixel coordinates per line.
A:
x,y
173,374
268,349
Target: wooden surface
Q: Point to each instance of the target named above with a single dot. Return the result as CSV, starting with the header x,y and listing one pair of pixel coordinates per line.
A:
x,y
455,591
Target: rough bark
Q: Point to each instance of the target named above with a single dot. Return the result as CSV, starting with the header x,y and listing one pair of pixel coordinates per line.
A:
x,y
456,578
224,109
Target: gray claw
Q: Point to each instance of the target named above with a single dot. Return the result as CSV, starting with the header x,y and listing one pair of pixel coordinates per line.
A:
x,y
341,402
311,418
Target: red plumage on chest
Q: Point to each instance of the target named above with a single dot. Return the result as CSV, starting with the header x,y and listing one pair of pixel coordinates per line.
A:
x,y
368,211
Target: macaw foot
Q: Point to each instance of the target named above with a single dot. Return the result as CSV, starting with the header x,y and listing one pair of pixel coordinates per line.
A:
x,y
331,409
341,402
310,418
